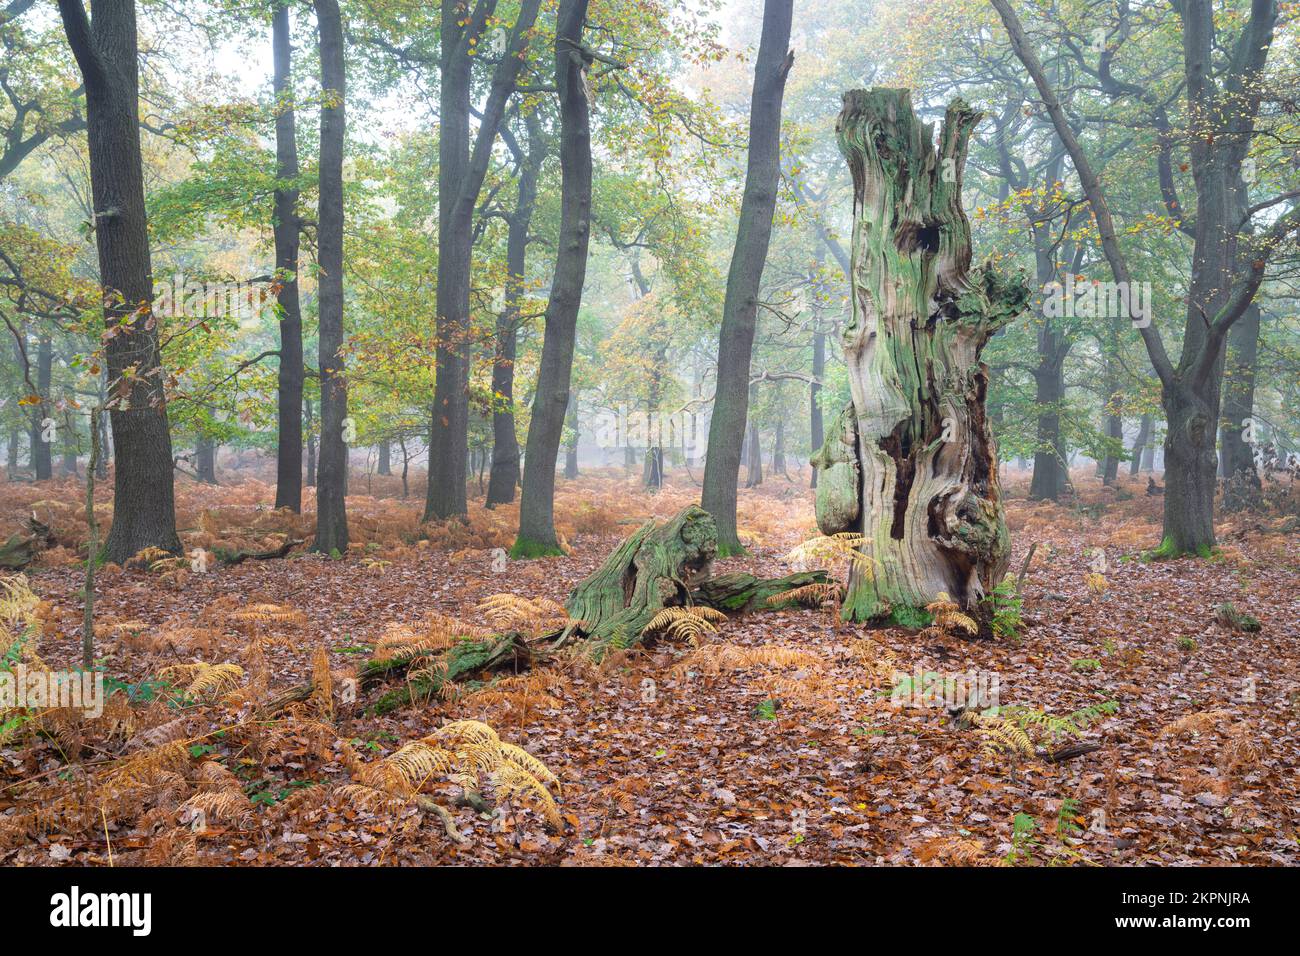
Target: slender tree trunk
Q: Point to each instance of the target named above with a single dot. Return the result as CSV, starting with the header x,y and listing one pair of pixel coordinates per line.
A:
x,y
106,50
778,450
816,428
205,460
536,519
911,465
1051,477
460,179
385,466
1140,445
287,227
311,445
754,462
740,308
1242,488
331,503
42,446
505,472
571,445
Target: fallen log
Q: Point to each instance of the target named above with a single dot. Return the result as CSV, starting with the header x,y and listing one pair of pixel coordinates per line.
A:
x,y
461,662
238,557
667,565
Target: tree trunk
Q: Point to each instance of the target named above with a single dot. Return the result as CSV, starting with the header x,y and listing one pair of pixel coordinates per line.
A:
x,y
42,444
205,460
911,464
740,307
1051,477
311,446
816,430
385,466
460,179
571,445
505,474
287,227
1242,488
144,508
1140,445
778,450
536,519
754,462
331,477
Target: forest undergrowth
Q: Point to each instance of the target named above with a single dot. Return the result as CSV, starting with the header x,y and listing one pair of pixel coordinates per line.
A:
x,y
1146,711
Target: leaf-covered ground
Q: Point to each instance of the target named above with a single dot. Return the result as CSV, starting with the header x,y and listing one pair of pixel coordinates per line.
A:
x,y
672,754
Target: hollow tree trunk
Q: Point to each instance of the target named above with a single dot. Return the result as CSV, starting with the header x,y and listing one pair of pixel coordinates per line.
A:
x,y
144,504
740,307
537,501
287,228
331,478
911,464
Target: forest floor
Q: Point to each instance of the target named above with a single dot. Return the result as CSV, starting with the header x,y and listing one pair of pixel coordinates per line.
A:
x,y
668,754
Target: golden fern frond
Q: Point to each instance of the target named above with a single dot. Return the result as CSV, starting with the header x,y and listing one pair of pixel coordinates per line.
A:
x,y
229,805
717,658
1001,736
1097,583
514,782
202,679
472,731
691,623
809,595
409,768
948,615
270,614
525,761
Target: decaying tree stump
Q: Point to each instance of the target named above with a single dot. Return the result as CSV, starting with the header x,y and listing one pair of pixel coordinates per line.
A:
x,y
21,549
911,464
667,565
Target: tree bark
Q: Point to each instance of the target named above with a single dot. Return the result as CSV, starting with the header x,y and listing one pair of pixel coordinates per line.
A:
x,y
42,448
331,475
571,445
740,307
205,460
536,519
1140,445
287,228
1242,487
144,508
460,178
505,474
911,464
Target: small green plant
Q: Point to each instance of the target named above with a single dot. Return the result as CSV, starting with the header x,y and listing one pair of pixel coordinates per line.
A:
x,y
765,710
1004,604
1067,818
1085,665
1023,842
1187,644
909,618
